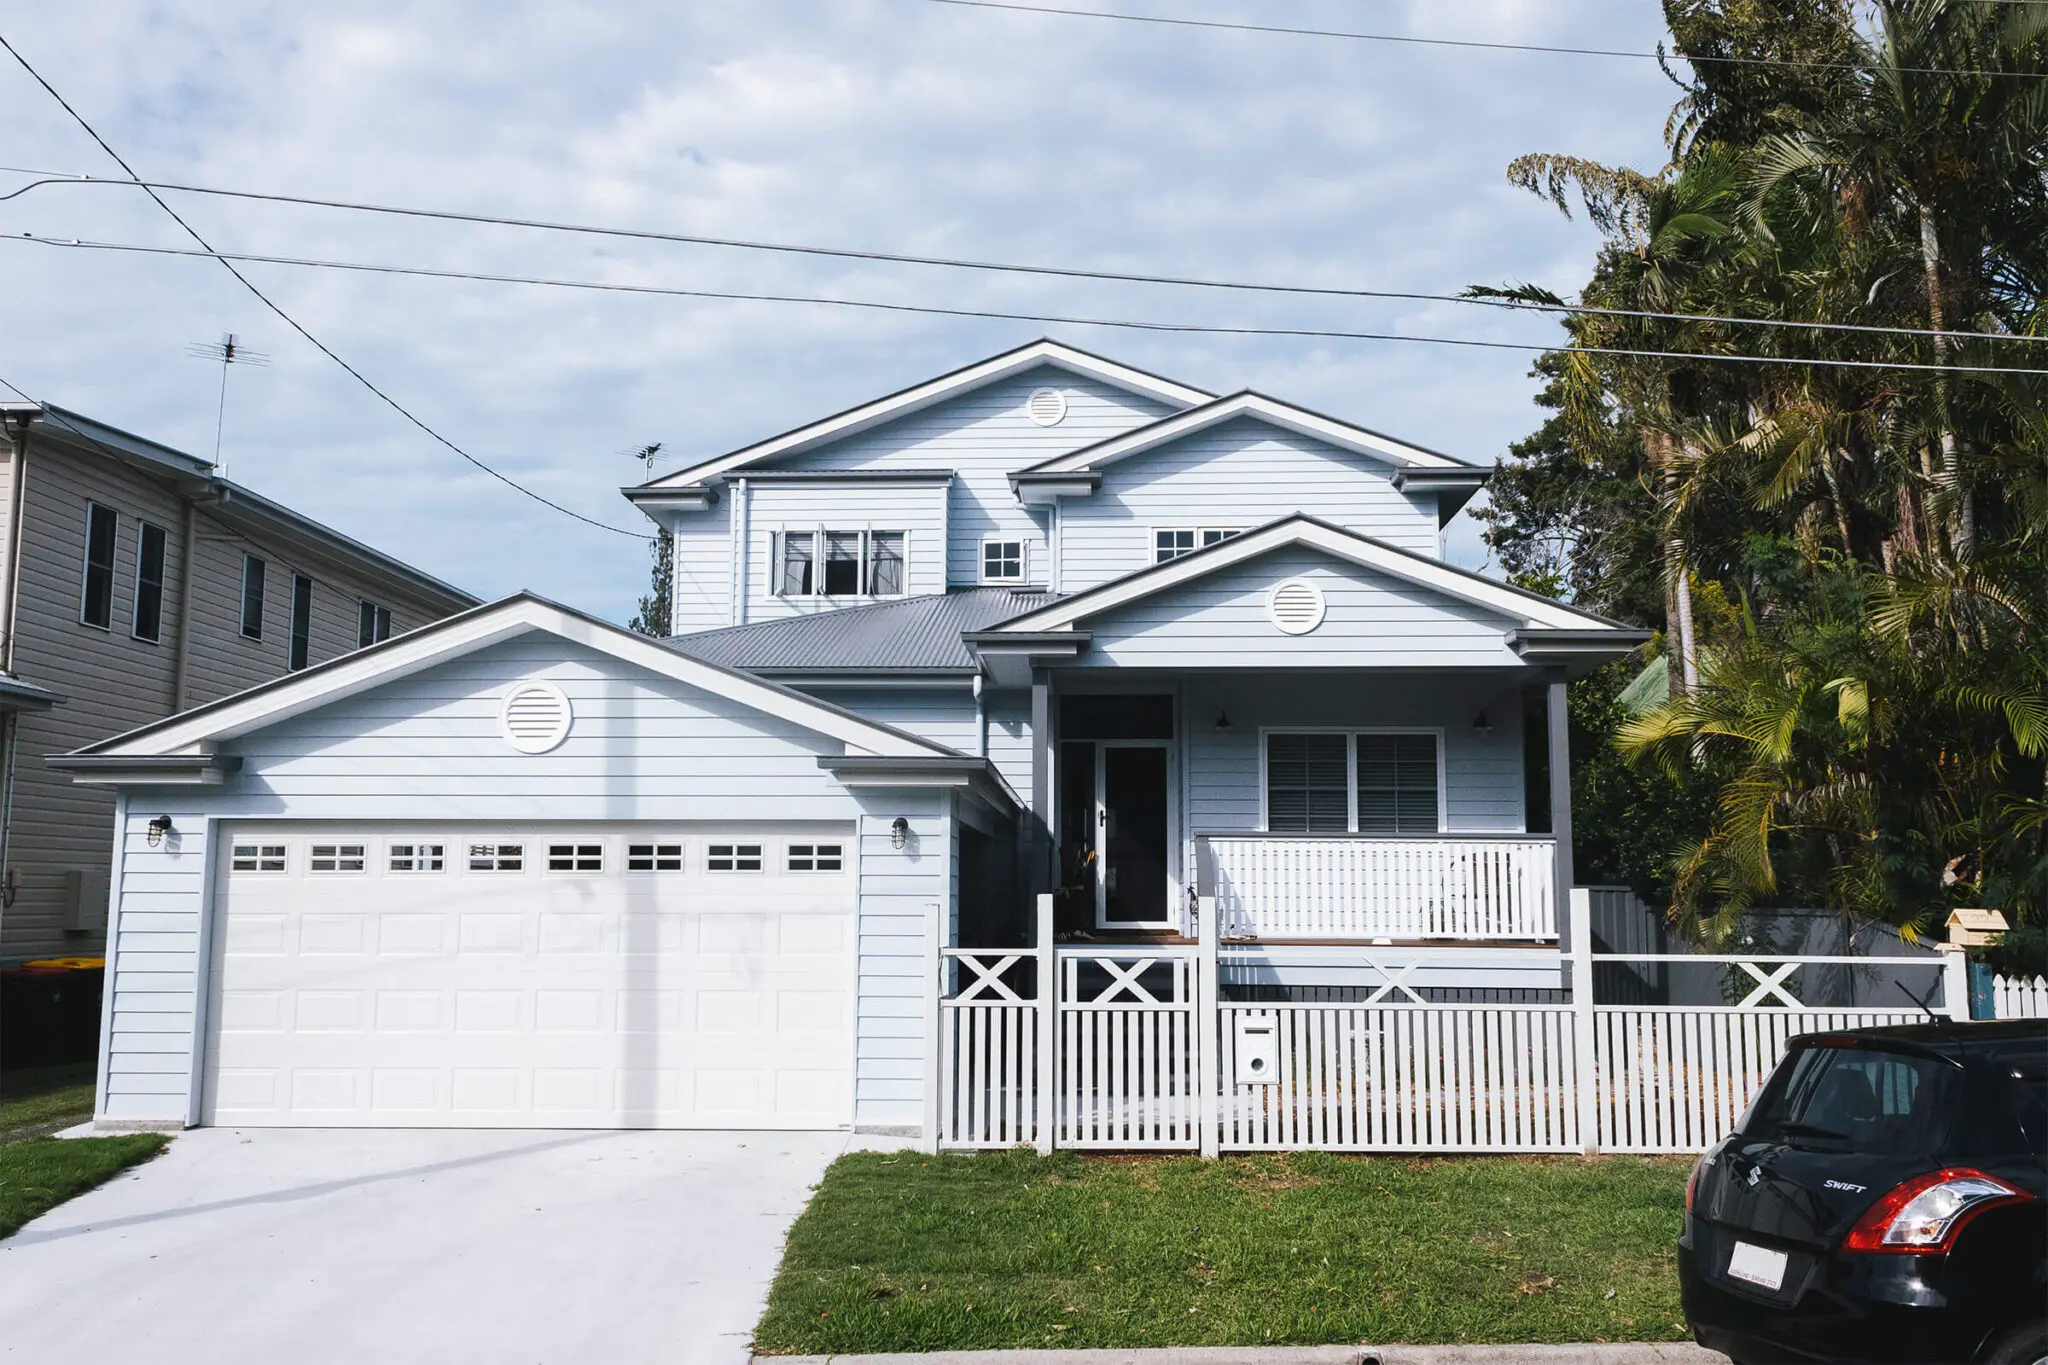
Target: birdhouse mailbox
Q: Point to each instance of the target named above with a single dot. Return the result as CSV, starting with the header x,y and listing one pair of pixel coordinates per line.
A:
x,y
1975,928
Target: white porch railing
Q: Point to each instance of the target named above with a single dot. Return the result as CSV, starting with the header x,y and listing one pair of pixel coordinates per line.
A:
x,y
1276,886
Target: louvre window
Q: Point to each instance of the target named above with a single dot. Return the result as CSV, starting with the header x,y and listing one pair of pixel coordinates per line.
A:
x,y
1308,783
733,858
336,858
302,623
96,601
497,857
575,857
252,597
257,858
815,858
418,858
654,858
149,582
1397,787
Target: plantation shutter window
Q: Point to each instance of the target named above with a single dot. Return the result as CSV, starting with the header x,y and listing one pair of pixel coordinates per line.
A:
x,y
795,577
1397,786
1307,783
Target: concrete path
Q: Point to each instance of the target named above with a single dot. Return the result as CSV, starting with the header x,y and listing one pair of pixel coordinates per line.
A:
x,y
329,1247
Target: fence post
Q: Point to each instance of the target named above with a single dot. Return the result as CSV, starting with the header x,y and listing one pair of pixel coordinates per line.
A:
x,y
1208,1009
934,990
1585,1056
1048,1029
1955,985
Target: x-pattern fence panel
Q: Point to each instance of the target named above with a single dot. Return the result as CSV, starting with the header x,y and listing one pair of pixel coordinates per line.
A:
x,y
1127,1050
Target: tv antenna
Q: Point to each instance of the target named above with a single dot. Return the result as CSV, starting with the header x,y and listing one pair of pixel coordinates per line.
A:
x,y
229,350
646,455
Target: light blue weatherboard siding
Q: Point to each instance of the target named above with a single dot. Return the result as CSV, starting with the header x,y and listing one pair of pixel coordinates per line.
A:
x,y
985,436
945,715
427,747
1238,475
702,595
1372,620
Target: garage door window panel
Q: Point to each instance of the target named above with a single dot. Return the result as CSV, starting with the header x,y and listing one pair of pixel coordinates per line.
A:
x,y
816,858
417,858
654,857
575,857
497,857
258,858
330,859
733,858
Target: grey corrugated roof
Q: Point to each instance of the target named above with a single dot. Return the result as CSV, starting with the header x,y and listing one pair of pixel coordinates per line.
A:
x,y
914,635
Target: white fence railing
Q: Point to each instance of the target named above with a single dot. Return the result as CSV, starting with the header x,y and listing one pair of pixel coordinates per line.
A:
x,y
1132,1047
1279,886
2015,997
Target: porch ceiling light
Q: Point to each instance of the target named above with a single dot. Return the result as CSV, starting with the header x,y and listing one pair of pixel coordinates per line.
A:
x,y
1481,726
1223,725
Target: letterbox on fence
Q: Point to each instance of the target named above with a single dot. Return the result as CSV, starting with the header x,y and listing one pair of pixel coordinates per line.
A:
x,y
1258,1050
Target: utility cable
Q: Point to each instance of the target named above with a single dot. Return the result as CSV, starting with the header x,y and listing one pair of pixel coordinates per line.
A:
x,y
292,322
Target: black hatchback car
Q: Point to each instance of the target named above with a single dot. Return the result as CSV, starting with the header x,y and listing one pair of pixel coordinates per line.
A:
x,y
1884,1199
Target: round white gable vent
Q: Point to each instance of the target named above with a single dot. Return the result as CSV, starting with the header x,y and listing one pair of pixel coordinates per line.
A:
x,y
535,716
1295,606
1048,407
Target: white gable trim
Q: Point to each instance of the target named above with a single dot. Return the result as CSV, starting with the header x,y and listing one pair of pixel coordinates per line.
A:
x,y
1361,550
910,400
195,732
1299,420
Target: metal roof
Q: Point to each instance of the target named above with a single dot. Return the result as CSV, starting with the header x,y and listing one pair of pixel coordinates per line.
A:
x,y
913,635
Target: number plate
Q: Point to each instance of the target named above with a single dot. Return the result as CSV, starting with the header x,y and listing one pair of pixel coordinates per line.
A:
x,y
1757,1265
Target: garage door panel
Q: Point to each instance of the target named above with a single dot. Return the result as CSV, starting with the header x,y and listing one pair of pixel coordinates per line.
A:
x,y
536,996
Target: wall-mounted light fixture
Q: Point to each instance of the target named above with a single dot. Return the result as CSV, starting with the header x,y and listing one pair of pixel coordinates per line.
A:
x,y
899,832
1481,726
1223,725
158,828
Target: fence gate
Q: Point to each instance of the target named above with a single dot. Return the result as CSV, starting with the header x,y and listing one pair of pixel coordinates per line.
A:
x,y
1126,1074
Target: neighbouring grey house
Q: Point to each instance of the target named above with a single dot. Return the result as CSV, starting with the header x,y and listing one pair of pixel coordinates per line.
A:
x,y
135,583
1191,665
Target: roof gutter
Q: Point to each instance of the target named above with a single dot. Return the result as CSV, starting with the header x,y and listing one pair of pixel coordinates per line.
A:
x,y
146,770
975,776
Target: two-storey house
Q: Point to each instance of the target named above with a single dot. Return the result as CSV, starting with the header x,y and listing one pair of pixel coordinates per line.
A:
x,y
1045,648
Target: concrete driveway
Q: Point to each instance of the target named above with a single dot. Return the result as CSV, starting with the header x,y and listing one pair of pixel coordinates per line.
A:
x,y
337,1246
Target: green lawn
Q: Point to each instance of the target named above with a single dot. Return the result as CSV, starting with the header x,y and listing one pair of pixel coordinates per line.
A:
x,y
908,1252
37,1174
58,1095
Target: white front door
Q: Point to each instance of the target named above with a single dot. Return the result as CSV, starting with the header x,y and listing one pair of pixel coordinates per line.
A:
x,y
476,975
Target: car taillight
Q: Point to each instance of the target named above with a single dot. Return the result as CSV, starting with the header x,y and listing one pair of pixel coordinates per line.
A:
x,y
1692,1182
1925,1214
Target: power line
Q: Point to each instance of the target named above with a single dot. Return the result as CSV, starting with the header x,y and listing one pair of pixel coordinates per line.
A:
x,y
1491,46
292,322
1330,334
1008,267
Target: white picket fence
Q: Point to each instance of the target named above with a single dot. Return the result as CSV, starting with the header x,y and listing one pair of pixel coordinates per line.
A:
x,y
1132,1048
2015,997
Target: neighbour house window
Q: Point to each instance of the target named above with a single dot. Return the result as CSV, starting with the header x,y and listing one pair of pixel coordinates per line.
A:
x,y
302,623
96,600
1337,781
373,624
815,858
1002,561
832,563
257,858
418,858
149,582
497,857
1173,542
252,597
654,857
1308,783
575,857
733,858
336,858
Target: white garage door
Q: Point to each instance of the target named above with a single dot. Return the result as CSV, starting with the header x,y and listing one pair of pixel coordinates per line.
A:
x,y
533,976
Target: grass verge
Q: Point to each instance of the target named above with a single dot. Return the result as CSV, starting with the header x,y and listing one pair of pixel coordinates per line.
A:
x,y
38,1174
53,1096
908,1252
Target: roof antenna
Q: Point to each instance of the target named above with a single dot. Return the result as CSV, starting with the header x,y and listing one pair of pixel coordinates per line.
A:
x,y
645,455
229,350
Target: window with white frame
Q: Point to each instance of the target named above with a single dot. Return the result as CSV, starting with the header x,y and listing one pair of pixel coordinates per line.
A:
x,y
373,623
497,857
841,563
1171,542
575,857
257,858
816,858
1002,560
732,857
1346,781
336,858
417,858
654,857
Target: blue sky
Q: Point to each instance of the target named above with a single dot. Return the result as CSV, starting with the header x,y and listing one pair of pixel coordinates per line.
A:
x,y
897,125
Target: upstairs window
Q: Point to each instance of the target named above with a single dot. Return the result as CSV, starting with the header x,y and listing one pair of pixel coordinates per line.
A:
x,y
96,597
835,563
149,582
1172,542
1002,561
373,624
252,597
302,623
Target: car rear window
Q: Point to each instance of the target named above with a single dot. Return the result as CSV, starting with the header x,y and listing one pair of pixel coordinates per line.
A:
x,y
2007,1108
1855,1099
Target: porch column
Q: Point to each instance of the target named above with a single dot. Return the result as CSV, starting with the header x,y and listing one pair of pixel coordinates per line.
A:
x,y
1041,851
1560,763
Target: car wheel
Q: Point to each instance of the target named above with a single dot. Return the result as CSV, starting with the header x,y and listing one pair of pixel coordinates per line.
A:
x,y
2026,1345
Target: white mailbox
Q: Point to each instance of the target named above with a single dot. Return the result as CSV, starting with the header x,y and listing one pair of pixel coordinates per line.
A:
x,y
1258,1050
